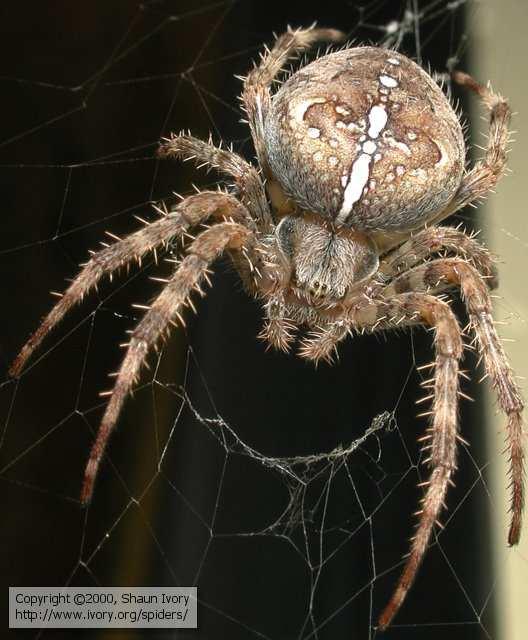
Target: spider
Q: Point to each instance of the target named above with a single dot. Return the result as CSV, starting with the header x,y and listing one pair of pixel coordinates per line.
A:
x,y
360,157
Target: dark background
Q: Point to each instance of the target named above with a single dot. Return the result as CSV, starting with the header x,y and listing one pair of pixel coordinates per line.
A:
x,y
87,90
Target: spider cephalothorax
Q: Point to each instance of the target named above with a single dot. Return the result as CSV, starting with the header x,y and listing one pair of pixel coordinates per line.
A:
x,y
362,156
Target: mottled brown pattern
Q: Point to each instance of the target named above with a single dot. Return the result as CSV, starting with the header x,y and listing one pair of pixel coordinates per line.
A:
x,y
421,148
340,240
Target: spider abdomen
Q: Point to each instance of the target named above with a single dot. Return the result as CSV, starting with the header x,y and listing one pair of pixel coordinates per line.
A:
x,y
365,137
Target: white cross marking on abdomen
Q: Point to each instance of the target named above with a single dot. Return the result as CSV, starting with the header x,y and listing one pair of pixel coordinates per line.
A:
x,y
360,170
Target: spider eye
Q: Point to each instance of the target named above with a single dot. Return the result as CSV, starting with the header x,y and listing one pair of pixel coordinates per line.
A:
x,y
366,138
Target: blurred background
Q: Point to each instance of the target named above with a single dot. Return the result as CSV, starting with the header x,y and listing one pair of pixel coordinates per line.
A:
x,y
193,490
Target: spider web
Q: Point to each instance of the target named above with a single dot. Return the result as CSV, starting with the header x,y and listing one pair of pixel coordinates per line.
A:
x,y
215,476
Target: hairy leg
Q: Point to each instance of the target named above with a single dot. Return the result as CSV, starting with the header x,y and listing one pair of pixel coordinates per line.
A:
x,y
278,330
256,94
454,272
479,180
440,442
188,213
321,343
250,189
433,240
156,322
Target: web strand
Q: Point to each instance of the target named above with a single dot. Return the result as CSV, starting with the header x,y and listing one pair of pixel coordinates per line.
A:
x,y
199,485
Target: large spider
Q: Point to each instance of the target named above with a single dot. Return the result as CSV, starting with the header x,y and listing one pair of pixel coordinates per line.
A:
x,y
361,156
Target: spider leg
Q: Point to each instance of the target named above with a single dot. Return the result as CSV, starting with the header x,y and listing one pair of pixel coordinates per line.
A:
x,y
247,181
407,310
441,438
432,240
322,341
456,272
278,329
256,94
208,246
479,180
190,212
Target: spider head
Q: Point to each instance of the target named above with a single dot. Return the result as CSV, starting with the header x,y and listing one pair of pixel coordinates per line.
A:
x,y
322,261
